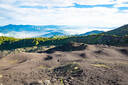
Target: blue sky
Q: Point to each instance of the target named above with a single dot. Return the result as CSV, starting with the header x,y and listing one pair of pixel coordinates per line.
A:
x,y
83,13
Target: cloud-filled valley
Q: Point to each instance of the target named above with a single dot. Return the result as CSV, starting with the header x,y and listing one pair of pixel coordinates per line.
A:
x,y
27,31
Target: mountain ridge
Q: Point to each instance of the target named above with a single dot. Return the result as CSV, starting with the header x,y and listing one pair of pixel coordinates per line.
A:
x,y
92,32
54,30
38,30
120,31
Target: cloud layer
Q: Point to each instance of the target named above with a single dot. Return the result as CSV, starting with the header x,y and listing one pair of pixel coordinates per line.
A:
x,y
22,34
87,13
43,31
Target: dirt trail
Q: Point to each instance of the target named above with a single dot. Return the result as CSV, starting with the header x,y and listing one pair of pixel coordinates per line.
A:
x,y
92,65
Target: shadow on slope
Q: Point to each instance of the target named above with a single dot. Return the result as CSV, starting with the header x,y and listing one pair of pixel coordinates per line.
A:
x,y
67,47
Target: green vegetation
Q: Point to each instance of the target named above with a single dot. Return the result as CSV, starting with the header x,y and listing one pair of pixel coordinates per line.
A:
x,y
7,43
62,81
100,65
121,31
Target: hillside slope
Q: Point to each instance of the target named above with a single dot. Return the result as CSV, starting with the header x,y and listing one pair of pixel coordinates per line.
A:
x,y
7,43
91,65
92,32
30,31
121,31
52,34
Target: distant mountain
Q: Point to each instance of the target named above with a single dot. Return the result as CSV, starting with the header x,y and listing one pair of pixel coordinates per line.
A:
x,y
19,28
92,32
23,31
51,34
121,31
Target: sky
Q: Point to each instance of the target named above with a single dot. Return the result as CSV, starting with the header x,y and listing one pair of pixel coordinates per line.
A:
x,y
83,13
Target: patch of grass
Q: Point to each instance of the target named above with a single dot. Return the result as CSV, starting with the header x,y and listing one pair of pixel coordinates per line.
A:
x,y
100,65
61,81
76,68
1,75
13,61
42,67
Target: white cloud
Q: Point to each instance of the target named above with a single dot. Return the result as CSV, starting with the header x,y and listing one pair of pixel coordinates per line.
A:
x,y
1,34
83,29
99,16
121,5
11,13
59,3
52,3
22,34
100,2
95,2
121,1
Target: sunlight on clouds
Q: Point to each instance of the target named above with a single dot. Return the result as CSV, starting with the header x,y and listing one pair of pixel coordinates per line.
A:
x,y
22,34
1,34
94,2
121,5
84,29
121,1
65,14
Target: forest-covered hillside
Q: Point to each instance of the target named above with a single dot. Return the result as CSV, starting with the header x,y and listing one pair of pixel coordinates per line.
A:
x,y
12,43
